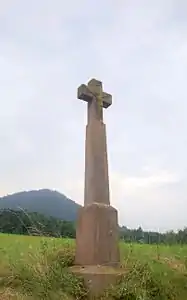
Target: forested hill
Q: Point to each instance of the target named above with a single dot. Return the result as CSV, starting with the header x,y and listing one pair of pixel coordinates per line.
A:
x,y
45,202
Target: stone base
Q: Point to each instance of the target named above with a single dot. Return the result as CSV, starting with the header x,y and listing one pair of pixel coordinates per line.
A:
x,y
98,278
97,236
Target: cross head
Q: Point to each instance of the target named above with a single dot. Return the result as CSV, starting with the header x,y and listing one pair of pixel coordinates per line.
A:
x,y
94,90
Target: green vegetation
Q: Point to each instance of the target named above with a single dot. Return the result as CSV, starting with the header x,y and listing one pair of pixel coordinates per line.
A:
x,y
34,258
36,268
21,222
41,212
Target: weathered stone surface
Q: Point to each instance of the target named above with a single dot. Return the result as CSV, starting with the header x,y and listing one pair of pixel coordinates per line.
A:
x,y
94,88
83,93
96,164
107,100
98,278
97,236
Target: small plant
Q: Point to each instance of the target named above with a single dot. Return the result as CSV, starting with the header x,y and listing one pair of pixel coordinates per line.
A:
x,y
140,283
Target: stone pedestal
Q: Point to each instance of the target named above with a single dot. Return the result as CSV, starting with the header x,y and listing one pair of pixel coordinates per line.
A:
x,y
97,279
97,236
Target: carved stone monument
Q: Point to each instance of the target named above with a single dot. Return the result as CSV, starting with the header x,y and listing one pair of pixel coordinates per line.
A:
x,y
97,226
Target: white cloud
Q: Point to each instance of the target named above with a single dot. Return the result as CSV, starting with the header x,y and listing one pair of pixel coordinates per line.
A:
x,y
134,185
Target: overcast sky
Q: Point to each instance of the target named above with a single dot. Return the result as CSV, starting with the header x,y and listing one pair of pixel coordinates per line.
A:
x,y
138,48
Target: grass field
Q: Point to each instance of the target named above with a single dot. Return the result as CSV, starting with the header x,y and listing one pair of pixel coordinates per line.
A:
x,y
36,268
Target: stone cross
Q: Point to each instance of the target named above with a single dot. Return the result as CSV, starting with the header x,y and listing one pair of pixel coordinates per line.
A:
x,y
96,98
96,164
97,225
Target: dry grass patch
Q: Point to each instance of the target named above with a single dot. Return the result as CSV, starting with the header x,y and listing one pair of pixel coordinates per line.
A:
x,y
174,264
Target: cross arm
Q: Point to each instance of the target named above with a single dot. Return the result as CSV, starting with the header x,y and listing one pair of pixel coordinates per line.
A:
x,y
107,99
83,93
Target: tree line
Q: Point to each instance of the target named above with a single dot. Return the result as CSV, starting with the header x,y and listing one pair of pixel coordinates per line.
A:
x,y
151,237
22,222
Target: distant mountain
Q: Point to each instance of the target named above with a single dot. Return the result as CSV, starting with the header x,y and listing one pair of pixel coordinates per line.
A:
x,y
46,202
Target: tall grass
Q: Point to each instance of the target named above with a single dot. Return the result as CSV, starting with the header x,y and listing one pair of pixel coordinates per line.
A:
x,y
37,268
44,274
